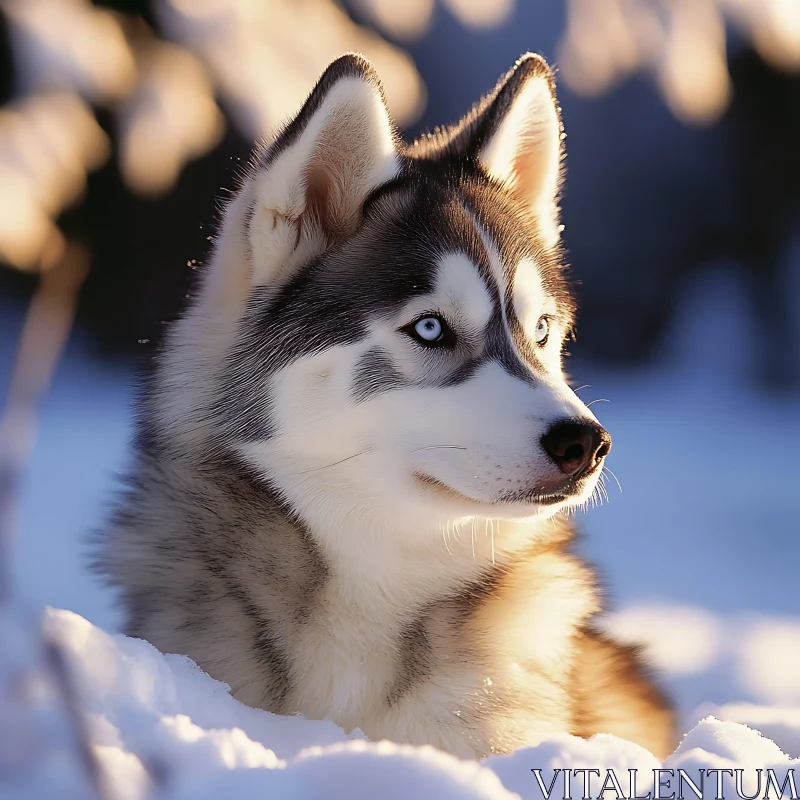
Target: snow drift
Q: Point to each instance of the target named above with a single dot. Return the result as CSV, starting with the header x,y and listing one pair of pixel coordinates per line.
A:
x,y
157,721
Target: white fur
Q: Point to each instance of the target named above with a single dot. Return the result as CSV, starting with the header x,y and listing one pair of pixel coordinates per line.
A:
x,y
458,281
198,341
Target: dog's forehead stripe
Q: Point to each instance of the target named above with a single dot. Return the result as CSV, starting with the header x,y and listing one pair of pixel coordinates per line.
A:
x,y
506,335
497,272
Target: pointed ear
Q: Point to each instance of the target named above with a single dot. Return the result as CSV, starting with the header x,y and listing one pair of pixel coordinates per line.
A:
x,y
309,186
515,133
522,143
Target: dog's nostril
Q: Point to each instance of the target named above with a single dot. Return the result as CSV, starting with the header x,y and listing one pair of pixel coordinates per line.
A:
x,y
573,452
575,447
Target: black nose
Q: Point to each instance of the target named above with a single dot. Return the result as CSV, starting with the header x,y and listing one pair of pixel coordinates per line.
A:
x,y
576,447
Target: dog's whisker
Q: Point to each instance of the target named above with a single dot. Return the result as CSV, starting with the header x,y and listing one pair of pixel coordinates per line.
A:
x,y
444,539
335,463
599,400
439,447
585,386
606,469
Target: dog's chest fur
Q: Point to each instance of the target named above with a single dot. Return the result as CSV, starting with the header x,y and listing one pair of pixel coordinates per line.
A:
x,y
438,647
483,666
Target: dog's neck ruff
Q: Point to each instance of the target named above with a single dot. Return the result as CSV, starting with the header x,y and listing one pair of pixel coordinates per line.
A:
x,y
392,556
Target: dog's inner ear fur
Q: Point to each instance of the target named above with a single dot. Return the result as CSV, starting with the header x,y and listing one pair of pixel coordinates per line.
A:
x,y
309,189
523,147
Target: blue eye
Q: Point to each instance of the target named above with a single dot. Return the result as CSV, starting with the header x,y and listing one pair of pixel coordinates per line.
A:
x,y
430,331
542,331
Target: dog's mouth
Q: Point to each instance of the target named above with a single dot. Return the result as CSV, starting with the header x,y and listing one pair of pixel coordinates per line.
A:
x,y
571,490
534,497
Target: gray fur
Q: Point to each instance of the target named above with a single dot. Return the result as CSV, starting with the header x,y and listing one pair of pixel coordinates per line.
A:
x,y
200,539
375,373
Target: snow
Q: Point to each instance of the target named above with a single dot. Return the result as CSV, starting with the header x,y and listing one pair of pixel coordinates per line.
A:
x,y
698,552
778,723
714,744
156,718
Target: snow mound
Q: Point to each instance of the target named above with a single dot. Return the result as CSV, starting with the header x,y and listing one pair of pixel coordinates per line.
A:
x,y
780,724
157,721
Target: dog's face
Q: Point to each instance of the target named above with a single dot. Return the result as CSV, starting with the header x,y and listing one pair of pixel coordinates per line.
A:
x,y
405,310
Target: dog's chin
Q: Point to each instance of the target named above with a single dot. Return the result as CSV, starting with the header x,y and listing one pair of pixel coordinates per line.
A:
x,y
520,504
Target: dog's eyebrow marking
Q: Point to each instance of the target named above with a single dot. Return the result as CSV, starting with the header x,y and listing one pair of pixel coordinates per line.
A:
x,y
528,297
458,279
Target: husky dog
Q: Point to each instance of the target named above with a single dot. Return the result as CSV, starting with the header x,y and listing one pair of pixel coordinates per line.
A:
x,y
352,458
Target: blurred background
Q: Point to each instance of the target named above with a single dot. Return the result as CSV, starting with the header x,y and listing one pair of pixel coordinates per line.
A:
x,y
123,125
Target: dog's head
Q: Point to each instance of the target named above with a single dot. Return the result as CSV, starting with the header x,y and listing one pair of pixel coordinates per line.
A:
x,y
385,322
